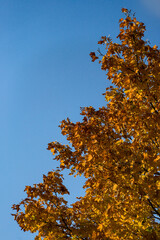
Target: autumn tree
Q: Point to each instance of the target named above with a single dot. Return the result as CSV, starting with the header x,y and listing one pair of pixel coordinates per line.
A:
x,y
116,149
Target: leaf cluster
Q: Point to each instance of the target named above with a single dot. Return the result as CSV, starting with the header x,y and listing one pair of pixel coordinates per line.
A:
x,y
116,148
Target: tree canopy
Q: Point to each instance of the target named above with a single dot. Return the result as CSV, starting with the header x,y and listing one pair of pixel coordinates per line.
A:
x,y
115,148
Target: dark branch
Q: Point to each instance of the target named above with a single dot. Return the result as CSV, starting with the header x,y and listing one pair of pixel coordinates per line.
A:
x,y
155,211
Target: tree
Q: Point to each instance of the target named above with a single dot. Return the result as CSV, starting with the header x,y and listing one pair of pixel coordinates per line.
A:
x,y
116,149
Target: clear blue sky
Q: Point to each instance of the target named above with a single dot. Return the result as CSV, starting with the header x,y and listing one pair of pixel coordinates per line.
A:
x,y
46,75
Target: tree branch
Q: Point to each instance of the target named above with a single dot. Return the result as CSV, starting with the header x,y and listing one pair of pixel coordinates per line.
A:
x,y
156,212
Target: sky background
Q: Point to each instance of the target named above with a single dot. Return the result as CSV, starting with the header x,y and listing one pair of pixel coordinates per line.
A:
x,y
46,75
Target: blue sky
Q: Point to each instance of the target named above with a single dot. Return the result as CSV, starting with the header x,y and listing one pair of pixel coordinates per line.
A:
x,y
47,75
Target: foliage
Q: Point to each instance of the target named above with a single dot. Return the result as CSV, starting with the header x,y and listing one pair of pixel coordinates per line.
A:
x,y
116,149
